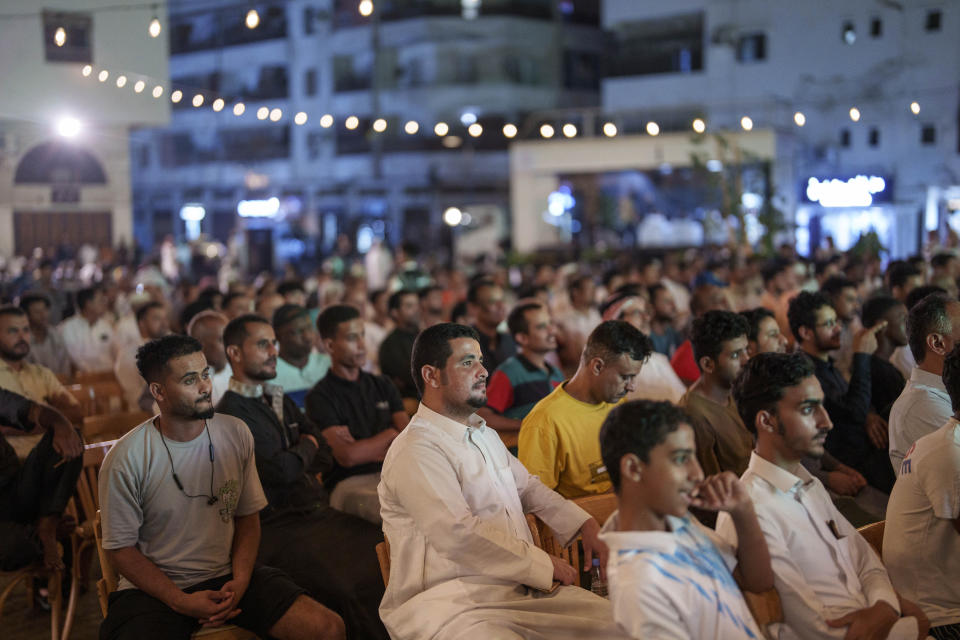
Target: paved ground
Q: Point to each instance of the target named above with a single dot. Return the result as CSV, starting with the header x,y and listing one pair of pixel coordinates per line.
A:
x,y
21,623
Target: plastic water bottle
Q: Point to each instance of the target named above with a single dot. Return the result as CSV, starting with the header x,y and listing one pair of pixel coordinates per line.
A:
x,y
597,584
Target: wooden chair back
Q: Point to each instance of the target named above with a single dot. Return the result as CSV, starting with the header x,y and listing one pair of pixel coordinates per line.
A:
x,y
87,494
874,535
766,608
111,426
89,377
383,556
108,584
98,397
600,507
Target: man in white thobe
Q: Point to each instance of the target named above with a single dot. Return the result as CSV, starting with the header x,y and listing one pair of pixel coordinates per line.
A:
x,y
463,562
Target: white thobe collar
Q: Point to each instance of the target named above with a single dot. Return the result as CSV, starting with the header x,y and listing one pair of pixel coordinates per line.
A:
x,y
780,478
456,430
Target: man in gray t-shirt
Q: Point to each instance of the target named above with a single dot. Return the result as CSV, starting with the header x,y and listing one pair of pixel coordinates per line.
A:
x,y
180,501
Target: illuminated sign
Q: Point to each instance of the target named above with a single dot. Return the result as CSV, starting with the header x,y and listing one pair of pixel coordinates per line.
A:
x,y
258,208
858,191
192,212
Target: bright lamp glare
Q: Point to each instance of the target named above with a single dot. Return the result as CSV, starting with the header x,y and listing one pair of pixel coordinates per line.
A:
x,y
609,129
799,118
68,127
653,128
176,96
103,75
218,104
854,114
60,36
352,122
154,28
252,19
139,86
546,131
326,121
570,130
699,125
300,118
379,125
441,129
365,8
411,127
157,91
239,108
275,114
452,216
475,130
197,100
262,113
915,108
509,130
121,82
746,122
87,70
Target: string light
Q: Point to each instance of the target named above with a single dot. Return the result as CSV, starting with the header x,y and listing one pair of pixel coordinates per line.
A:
x,y
139,86
699,125
365,8
546,131
103,75
799,118
154,28
60,37
326,121
87,70
915,108
352,122
510,130
475,130
855,114
570,130
253,19
746,122
176,96
218,105
275,114
197,100
300,118
379,125
653,128
157,91
609,129
239,108
121,82
441,129
263,113
411,127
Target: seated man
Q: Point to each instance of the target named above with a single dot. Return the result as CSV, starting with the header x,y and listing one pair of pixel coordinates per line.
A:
x,y
152,323
87,334
207,327
831,583
33,495
719,340
523,380
886,381
357,413
331,554
559,437
299,365
764,334
669,576
180,502
860,437
46,345
921,539
462,560
485,304
394,352
933,329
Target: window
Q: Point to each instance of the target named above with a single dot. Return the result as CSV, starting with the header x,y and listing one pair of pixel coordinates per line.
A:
x,y
308,17
310,82
933,20
928,134
752,47
315,144
78,32
873,138
876,28
673,44
845,138
848,33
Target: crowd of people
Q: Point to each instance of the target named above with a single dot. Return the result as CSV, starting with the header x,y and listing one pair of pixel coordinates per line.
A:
x,y
747,414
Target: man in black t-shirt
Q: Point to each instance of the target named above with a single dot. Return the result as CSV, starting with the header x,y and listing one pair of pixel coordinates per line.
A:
x,y
357,413
394,356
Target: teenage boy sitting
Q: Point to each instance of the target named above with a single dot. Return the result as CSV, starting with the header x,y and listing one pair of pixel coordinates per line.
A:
x,y
669,576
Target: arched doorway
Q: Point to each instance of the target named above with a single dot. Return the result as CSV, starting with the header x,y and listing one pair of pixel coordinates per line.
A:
x,y
65,169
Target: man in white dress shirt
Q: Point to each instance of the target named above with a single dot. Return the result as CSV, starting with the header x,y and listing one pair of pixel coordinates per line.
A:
x,y
921,540
933,329
831,583
88,334
463,562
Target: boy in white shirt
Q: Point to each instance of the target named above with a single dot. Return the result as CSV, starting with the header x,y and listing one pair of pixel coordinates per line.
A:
x,y
831,583
921,541
669,576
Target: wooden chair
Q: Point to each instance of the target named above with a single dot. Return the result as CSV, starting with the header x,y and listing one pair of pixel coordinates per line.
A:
x,y
874,535
108,584
766,608
98,397
88,377
27,576
509,438
110,426
600,507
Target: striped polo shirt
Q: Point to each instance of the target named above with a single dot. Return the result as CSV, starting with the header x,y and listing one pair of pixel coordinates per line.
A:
x,y
518,384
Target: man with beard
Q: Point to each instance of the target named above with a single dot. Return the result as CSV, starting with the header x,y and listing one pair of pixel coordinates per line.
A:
x,y
357,413
207,327
299,365
720,346
180,502
859,436
831,583
299,527
486,306
463,564
559,438
763,335
524,379
46,345
845,299
663,334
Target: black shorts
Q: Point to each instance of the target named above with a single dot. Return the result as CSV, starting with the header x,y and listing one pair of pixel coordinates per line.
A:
x,y
134,615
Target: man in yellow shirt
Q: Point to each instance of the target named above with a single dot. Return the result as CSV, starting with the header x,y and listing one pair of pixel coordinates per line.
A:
x,y
559,438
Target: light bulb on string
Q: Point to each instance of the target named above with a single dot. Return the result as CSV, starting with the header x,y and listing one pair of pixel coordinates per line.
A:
x,y
609,129
653,128
326,121
300,118
855,114
139,86
218,105
252,20
411,127
747,123
198,100
154,28
570,130
263,113
176,96
799,118
441,129
157,91
352,122
60,37
915,108
275,114
510,130
475,130
86,71
121,82
379,125
103,75
699,125
546,131
239,108
365,8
